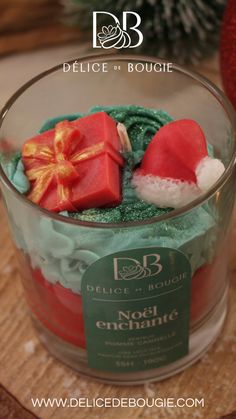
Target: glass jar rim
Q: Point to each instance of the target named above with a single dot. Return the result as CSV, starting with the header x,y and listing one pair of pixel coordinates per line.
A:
x,y
211,87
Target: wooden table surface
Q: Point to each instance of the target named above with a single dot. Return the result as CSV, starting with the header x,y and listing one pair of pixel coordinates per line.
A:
x,y
27,370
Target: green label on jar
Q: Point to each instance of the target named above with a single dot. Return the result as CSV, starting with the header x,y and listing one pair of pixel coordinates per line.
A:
x,y
136,309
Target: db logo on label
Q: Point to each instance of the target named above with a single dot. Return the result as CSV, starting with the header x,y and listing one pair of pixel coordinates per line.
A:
x,y
116,35
129,268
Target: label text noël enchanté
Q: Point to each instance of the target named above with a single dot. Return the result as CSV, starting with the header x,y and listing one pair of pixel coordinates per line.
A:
x,y
133,320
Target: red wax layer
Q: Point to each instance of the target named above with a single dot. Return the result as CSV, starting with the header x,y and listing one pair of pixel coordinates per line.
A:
x,y
207,286
60,310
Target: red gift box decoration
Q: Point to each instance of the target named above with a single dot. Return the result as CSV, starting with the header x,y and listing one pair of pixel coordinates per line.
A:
x,y
76,165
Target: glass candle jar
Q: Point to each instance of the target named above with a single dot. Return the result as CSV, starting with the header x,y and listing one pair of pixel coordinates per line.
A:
x,y
133,301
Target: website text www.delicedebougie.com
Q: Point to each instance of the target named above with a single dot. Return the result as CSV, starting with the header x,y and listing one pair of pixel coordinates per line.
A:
x,y
113,402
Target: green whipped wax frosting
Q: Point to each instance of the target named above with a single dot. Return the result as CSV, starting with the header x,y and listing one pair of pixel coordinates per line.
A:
x,y
14,169
63,251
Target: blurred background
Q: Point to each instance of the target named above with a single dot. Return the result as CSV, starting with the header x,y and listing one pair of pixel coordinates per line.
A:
x,y
35,35
26,25
185,30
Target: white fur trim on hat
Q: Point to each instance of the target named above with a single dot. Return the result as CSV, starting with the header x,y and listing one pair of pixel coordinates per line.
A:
x,y
164,192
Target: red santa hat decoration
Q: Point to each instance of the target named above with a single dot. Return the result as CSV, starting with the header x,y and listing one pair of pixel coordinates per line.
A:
x,y
176,167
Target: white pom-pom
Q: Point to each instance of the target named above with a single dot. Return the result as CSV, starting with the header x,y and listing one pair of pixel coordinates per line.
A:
x,y
208,172
164,192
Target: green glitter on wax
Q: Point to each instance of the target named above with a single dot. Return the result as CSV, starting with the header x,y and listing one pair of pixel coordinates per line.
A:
x,y
135,211
141,123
